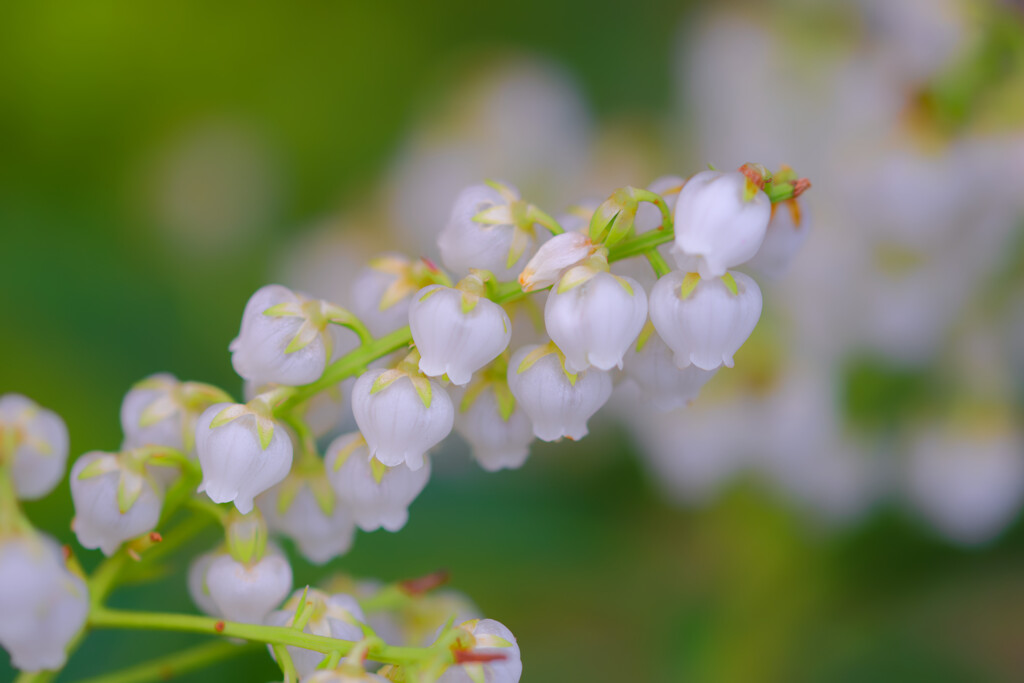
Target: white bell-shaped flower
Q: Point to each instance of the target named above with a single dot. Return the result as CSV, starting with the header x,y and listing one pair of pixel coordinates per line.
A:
x,y
304,508
378,496
554,258
115,500
345,674
558,403
324,412
787,231
40,441
705,322
42,604
334,616
456,332
652,368
499,433
249,592
382,292
720,222
594,323
242,454
482,233
287,338
489,637
402,415
197,588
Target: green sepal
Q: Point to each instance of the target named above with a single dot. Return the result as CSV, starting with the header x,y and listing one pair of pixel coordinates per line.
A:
x,y
228,414
469,302
488,640
386,379
290,488
499,214
520,240
323,494
690,282
576,276
423,388
504,190
730,282
159,410
505,399
475,671
129,488
471,395
304,337
288,309
624,283
265,430
750,190
534,356
429,293
102,465
644,336
346,452
378,469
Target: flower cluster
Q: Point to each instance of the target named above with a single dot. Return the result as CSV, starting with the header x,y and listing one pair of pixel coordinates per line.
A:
x,y
420,352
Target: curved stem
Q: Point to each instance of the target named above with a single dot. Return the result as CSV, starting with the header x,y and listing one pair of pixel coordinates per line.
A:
x,y
170,666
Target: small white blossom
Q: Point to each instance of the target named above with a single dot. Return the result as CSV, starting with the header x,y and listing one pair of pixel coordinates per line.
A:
x,y
787,231
248,593
497,441
197,588
237,465
490,637
40,445
594,323
703,321
456,333
381,294
378,496
719,222
558,403
114,500
401,417
554,258
303,507
42,604
334,616
660,381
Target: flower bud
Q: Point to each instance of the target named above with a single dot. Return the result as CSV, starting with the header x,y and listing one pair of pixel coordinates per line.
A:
x,y
488,230
498,431
787,231
554,258
115,500
402,416
378,496
42,604
456,332
304,508
242,454
720,222
649,364
594,323
487,637
333,616
705,321
248,593
558,402
34,441
197,588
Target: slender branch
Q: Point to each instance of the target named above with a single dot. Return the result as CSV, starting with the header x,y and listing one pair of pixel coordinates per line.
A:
x,y
169,666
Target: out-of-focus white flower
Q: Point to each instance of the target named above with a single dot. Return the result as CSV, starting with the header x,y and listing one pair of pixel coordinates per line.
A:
x,y
382,292
967,480
377,496
558,402
242,454
197,588
401,414
40,441
720,222
42,604
705,322
161,411
489,637
304,508
288,339
595,322
334,616
457,332
650,364
345,674
554,258
115,500
249,592
787,231
498,430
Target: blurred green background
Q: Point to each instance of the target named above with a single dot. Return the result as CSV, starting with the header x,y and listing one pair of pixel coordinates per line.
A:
x,y
599,579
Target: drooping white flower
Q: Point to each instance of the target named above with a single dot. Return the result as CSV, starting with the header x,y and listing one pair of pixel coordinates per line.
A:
x,y
324,412
42,604
287,338
334,616
115,500
558,403
554,258
40,441
705,321
483,232
304,508
594,323
242,454
489,637
249,592
377,496
456,332
649,363
401,414
197,588
787,231
382,292
720,222
161,411
499,432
